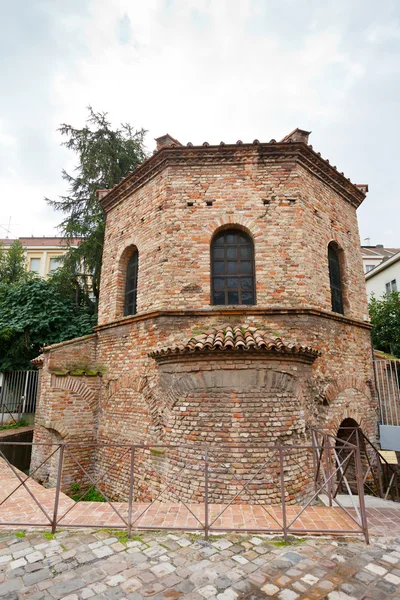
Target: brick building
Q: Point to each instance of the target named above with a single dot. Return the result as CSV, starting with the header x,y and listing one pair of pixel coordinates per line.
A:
x,y
232,311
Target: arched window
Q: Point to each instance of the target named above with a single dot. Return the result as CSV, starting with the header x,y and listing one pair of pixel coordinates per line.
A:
x,y
335,279
232,268
131,285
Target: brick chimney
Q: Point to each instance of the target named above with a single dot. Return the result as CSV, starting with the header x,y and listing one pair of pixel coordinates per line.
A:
x,y
101,193
297,135
166,140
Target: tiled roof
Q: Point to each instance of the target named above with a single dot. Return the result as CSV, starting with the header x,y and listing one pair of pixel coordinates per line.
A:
x,y
378,252
42,241
237,339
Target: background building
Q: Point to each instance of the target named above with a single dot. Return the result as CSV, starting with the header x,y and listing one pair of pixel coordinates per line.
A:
x,y
384,278
42,253
374,255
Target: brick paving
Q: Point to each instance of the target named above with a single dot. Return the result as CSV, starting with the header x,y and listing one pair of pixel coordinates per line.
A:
x,y
107,565
21,508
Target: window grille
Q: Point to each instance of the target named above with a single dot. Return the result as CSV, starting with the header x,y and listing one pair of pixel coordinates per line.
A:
x,y
131,285
335,281
232,266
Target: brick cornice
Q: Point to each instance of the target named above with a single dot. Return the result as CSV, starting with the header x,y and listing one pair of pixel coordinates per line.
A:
x,y
234,154
227,312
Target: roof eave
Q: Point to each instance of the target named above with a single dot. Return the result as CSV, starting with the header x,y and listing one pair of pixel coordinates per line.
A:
x,y
159,160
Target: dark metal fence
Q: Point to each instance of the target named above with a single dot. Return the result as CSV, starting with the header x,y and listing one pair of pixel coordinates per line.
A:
x,y
17,394
191,478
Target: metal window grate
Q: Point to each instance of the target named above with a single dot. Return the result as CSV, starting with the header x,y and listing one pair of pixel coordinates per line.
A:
x,y
232,261
335,281
131,285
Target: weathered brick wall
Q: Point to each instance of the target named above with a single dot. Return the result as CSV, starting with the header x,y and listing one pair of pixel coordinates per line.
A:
x,y
67,411
291,235
292,214
135,403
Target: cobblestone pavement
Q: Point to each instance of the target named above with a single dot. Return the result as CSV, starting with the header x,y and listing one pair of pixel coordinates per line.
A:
x,y
107,565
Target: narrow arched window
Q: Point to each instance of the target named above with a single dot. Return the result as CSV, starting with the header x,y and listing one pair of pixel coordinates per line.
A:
x,y
232,268
335,279
131,285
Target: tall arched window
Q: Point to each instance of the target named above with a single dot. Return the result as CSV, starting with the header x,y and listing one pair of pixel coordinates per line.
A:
x,y
232,268
131,285
335,279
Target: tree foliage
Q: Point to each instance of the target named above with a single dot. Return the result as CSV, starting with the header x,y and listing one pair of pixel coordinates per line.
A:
x,y
36,312
385,317
105,155
12,263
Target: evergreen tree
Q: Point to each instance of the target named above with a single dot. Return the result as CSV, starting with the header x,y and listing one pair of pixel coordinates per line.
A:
x,y
12,263
105,155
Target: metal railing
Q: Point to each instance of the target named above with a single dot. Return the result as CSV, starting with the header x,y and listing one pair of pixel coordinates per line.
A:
x,y
380,478
277,493
17,394
388,386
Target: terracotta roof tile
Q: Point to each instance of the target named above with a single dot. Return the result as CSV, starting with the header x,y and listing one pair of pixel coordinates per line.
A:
x,y
42,241
239,338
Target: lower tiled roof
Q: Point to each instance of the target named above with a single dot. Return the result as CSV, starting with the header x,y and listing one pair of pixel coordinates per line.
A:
x,y
237,339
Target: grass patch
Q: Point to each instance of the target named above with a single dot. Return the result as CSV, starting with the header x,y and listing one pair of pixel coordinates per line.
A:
x,y
91,495
20,534
63,548
49,536
123,536
283,543
21,423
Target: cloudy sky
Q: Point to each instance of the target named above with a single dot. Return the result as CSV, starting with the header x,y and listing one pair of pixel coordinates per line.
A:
x,y
200,70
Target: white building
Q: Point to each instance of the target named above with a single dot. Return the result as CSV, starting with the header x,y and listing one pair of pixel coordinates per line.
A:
x,y
374,255
384,278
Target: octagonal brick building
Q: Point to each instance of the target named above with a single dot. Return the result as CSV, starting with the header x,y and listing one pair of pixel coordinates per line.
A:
x,y
232,313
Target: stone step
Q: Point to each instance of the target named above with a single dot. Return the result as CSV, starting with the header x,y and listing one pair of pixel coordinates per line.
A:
x,y
370,501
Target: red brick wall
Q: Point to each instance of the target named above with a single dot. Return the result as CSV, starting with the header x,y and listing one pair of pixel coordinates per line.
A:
x,y
292,216
291,236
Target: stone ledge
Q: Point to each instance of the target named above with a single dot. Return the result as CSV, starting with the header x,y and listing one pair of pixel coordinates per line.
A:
x,y
226,312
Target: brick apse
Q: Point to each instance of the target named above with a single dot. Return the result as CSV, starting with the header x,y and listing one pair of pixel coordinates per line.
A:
x,y
232,311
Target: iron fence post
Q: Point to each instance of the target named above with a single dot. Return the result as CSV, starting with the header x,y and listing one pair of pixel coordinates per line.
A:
x,y
58,487
314,455
360,490
327,445
206,526
131,478
284,522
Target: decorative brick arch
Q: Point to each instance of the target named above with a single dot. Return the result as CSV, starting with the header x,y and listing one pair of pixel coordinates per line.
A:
x,y
57,426
132,242
352,411
74,385
127,381
228,221
349,413
346,382
122,259
163,401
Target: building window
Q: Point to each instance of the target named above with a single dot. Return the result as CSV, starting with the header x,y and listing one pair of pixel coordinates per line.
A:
x,y
369,268
335,280
391,286
131,285
54,264
34,265
232,268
